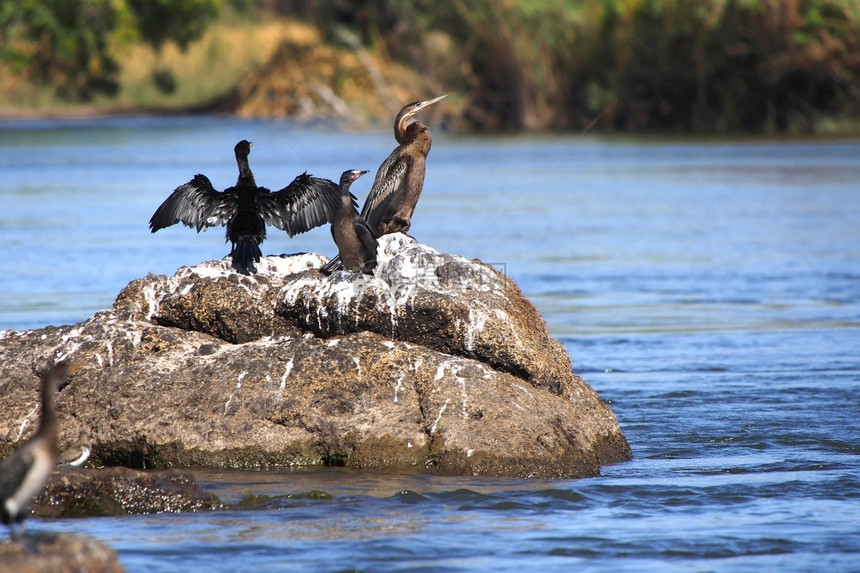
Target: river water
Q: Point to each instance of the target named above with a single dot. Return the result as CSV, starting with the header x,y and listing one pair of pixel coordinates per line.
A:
x,y
710,291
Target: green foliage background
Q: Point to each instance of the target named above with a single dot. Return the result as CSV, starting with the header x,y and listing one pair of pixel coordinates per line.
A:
x,y
692,65
705,66
73,44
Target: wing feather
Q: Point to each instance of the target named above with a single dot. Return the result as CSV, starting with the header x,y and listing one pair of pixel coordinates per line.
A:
x,y
365,234
270,209
224,210
390,178
195,204
13,470
368,240
306,203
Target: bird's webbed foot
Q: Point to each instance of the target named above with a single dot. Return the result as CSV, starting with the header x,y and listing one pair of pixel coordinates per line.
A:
x,y
395,225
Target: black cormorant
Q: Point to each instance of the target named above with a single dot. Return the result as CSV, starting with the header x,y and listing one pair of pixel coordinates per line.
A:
x,y
23,474
246,209
400,179
77,453
355,240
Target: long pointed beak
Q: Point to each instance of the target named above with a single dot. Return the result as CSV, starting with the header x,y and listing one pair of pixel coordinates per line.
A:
x,y
421,105
409,111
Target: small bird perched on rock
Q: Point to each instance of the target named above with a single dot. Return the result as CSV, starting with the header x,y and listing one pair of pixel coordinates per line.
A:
x,y
355,240
400,179
246,209
77,453
23,474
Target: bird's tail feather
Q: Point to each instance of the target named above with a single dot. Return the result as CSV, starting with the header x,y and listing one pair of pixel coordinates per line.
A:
x,y
245,253
331,266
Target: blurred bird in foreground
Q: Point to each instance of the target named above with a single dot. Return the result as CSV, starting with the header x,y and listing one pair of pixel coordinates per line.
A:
x,y
23,474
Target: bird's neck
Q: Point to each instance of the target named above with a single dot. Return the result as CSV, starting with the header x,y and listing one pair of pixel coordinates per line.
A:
x,y
48,423
422,143
401,130
348,202
246,177
414,134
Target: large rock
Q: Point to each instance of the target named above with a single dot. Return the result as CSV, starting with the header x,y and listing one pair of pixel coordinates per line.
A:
x,y
435,363
58,552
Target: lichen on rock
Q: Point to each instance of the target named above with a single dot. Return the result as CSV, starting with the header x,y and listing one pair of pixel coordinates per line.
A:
x,y
433,363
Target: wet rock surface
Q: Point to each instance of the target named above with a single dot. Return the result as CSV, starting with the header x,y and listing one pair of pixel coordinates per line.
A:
x,y
435,363
76,492
57,552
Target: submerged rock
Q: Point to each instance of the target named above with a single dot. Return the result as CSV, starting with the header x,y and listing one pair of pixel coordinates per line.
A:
x,y
75,492
434,363
37,553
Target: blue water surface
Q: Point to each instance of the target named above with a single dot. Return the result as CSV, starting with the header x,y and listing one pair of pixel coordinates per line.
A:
x,y
709,291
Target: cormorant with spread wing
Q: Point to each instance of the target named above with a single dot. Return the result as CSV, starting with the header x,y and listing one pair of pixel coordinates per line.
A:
x,y
246,209
400,178
355,240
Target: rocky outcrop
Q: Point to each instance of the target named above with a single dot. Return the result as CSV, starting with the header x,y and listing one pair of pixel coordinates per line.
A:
x,y
58,552
444,303
75,492
434,363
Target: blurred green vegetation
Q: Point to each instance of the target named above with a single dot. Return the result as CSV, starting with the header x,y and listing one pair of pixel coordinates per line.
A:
x,y
701,66
73,45
706,66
